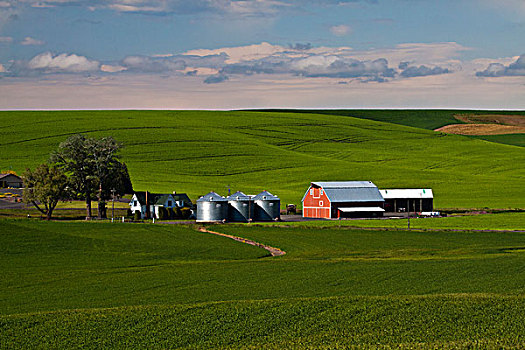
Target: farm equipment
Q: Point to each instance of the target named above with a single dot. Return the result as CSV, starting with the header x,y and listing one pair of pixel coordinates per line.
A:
x,y
291,209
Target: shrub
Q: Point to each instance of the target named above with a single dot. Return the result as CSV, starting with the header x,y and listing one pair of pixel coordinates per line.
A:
x,y
171,213
185,213
129,213
163,213
176,213
137,216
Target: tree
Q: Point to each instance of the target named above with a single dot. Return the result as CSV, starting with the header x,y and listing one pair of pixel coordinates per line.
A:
x,y
94,169
110,173
72,156
46,185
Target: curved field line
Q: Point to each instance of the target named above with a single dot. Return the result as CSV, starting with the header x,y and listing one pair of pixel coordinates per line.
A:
x,y
272,250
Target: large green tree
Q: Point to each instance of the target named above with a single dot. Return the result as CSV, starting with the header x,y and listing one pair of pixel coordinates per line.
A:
x,y
93,168
45,187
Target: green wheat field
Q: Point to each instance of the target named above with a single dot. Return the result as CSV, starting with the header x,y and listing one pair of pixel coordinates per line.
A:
x,y
455,282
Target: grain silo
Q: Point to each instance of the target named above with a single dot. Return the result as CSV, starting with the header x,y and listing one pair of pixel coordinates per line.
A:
x,y
267,207
212,208
240,207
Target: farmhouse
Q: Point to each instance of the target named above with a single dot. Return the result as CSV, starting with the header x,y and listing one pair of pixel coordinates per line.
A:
x,y
149,203
10,180
342,199
408,200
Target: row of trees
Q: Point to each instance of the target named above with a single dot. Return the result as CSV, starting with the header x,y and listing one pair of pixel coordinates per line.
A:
x,y
80,168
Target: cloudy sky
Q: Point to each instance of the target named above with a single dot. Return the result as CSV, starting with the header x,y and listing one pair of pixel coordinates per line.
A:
x,y
228,54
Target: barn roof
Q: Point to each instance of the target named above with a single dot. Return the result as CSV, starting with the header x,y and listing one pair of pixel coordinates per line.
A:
x,y
350,191
407,193
266,196
212,197
344,184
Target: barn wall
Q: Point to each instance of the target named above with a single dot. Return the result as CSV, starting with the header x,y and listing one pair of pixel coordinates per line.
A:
x,y
316,204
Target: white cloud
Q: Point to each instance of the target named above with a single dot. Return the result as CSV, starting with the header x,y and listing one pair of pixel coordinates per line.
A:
x,y
111,69
241,53
63,63
340,30
31,41
496,69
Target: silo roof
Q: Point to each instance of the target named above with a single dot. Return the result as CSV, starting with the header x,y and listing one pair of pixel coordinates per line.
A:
x,y
238,196
212,197
267,196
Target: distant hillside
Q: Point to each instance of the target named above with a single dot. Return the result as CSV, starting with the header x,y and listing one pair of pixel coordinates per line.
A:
x,y
426,119
430,119
197,151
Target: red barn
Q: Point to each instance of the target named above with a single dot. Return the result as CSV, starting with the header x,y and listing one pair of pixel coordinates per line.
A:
x,y
342,199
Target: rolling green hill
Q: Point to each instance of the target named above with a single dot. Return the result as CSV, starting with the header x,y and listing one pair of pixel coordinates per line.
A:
x,y
196,152
426,118
72,285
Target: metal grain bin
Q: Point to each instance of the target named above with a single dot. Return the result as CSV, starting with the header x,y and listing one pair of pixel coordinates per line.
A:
x,y
267,207
240,207
212,208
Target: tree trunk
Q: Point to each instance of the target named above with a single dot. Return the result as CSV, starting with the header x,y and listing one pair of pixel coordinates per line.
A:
x,y
102,213
88,207
101,204
48,214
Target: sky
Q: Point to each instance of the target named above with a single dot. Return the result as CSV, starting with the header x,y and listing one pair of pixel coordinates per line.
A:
x,y
233,54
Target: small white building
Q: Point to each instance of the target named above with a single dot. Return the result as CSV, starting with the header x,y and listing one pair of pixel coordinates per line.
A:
x,y
148,203
408,200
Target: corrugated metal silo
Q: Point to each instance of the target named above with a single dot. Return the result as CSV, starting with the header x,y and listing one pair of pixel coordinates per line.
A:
x,y
212,208
267,207
240,207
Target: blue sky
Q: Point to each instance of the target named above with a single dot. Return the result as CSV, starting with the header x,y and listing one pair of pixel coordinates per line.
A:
x,y
218,54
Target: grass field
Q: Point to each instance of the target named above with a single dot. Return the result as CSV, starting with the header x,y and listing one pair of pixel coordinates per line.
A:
x,y
69,285
511,139
426,119
196,152
499,221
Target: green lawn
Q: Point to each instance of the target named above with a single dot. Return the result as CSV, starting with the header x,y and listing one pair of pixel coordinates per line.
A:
x,y
198,151
69,285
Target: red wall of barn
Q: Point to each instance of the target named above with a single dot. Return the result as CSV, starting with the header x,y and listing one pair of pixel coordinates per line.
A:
x,y
312,206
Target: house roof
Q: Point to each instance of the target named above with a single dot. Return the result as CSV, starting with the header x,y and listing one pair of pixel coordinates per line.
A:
x,y
7,175
181,197
408,193
159,198
265,196
212,197
349,191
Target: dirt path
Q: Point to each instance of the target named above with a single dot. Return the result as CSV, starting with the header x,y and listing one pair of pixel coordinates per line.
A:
x,y
273,251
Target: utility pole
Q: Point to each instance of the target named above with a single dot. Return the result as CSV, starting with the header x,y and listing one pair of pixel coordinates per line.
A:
x,y
113,204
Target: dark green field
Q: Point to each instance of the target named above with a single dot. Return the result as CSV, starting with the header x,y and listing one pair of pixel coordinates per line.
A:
x,y
69,285
196,152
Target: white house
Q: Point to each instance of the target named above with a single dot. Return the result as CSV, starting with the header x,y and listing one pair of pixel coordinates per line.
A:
x,y
149,203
